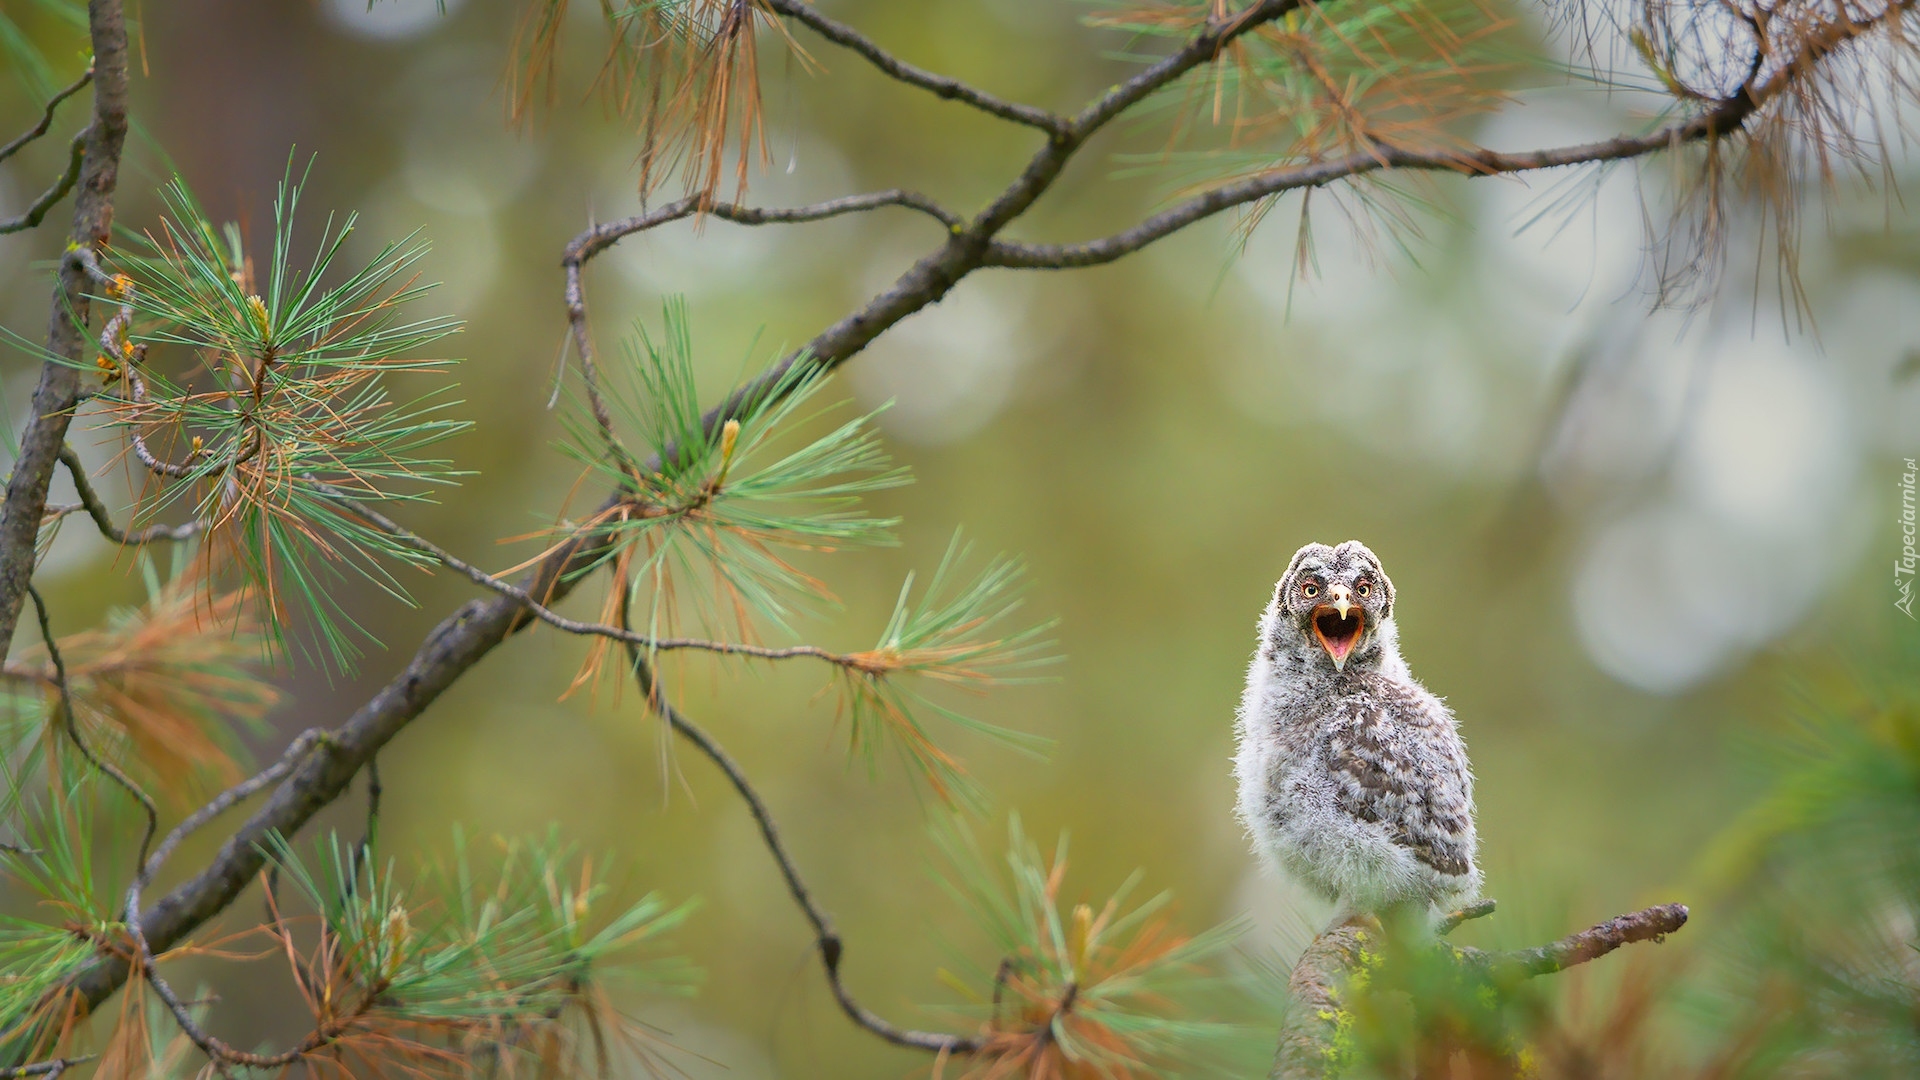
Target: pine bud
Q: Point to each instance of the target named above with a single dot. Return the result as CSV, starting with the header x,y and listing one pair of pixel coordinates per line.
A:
x,y
729,438
258,309
1077,938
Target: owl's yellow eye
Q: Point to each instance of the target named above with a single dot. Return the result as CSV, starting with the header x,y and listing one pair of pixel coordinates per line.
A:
x,y
1309,590
1363,588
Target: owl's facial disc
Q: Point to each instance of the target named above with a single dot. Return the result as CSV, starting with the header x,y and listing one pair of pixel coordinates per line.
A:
x,y
1338,631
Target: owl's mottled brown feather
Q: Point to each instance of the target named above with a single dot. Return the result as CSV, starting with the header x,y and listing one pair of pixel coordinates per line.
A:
x,y
1352,776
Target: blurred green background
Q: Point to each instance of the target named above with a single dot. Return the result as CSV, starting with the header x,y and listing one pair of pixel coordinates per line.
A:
x,y
1616,535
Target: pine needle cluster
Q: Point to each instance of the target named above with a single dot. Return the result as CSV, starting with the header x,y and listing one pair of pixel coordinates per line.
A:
x,y
499,965
1079,992
259,400
1330,79
165,690
956,635
687,70
50,858
713,517
710,521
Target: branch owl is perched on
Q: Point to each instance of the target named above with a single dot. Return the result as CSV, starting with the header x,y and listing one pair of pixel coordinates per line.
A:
x,y
1352,776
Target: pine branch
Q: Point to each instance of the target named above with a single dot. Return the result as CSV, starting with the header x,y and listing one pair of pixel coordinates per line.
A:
x,y
940,86
59,388
1723,120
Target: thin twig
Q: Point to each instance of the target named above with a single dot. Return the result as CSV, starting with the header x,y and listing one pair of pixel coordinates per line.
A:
x,y
599,237
939,85
96,509
1479,909
37,210
128,357
826,937
1649,924
574,626
1470,162
51,1070
294,754
46,117
217,1051
73,727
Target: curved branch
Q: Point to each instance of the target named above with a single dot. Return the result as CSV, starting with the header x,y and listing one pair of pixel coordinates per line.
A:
x,y
37,210
832,949
1472,162
600,237
72,724
46,117
1649,924
939,85
103,519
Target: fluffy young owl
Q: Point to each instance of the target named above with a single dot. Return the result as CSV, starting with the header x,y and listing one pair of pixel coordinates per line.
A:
x,y
1352,776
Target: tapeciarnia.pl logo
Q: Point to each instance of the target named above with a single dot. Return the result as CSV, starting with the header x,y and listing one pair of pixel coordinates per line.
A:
x,y
1903,566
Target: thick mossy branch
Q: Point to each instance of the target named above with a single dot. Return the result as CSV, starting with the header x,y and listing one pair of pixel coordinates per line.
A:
x,y
1316,1040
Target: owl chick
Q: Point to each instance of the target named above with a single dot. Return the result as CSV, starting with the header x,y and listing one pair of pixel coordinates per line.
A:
x,y
1352,776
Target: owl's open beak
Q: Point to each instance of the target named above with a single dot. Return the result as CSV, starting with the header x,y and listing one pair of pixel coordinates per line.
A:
x,y
1338,625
